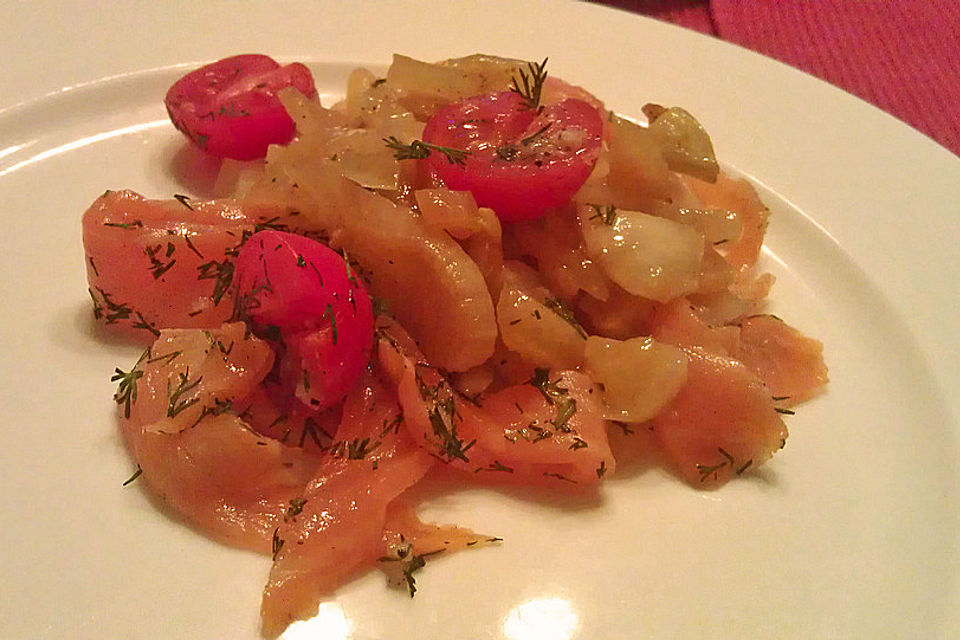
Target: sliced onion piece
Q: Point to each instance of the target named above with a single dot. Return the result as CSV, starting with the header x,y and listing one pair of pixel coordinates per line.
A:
x,y
648,256
534,325
639,376
685,144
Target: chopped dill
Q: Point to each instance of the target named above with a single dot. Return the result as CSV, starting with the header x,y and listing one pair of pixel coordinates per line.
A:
x,y
529,83
182,199
127,389
607,214
222,275
496,465
356,449
157,266
136,474
277,543
295,509
178,403
418,150
328,313
124,225
565,314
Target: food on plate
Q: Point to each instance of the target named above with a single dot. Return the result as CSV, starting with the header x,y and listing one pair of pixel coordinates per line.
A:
x,y
516,157
230,108
466,268
302,296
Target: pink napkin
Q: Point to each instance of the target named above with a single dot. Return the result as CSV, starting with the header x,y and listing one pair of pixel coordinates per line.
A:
x,y
903,56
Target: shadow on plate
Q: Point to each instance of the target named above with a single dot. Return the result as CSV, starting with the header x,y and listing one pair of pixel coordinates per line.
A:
x,y
186,165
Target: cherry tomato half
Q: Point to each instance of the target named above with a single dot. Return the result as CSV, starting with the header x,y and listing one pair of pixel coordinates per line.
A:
x,y
522,162
301,294
230,108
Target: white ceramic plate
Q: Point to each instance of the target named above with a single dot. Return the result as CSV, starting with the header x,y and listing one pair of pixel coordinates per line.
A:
x,y
850,532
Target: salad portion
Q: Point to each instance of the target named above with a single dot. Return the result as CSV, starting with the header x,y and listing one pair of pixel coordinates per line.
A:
x,y
467,268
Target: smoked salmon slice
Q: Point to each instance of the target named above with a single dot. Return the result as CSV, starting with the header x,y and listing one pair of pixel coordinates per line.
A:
x,y
720,424
549,430
160,264
179,407
334,527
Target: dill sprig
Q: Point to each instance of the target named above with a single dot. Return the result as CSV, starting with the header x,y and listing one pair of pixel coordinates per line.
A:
x,y
356,449
136,474
706,471
404,563
529,85
157,266
127,389
565,314
557,396
445,429
418,150
607,214
222,275
443,420
184,386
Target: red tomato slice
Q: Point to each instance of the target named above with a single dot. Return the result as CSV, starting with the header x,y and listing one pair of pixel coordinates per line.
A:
x,y
303,294
230,108
522,162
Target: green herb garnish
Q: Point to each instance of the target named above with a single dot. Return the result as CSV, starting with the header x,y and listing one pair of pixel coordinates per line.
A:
x,y
127,389
418,150
178,403
529,87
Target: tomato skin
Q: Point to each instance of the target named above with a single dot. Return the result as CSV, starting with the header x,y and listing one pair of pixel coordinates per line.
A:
x,y
230,109
300,294
522,162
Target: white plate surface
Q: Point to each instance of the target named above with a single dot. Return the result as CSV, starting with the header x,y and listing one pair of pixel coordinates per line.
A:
x,y
851,532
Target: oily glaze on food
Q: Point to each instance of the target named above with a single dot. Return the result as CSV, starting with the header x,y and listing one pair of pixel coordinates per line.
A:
x,y
465,267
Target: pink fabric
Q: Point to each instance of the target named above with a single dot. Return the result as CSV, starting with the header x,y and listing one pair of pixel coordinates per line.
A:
x,y
903,56
692,14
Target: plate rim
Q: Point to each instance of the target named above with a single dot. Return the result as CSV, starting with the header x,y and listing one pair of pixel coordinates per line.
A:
x,y
948,401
